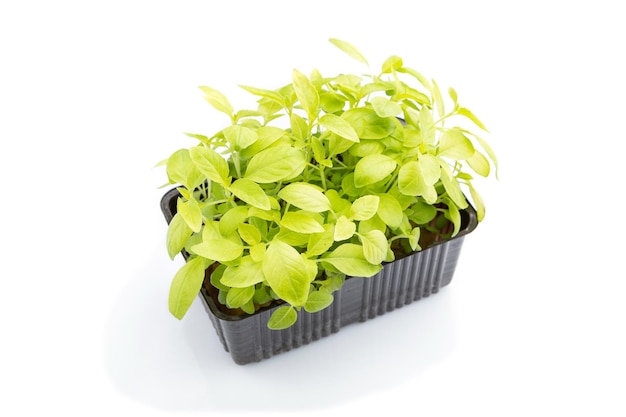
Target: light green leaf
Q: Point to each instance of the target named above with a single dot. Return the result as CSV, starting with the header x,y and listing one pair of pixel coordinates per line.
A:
x,y
305,196
339,126
438,99
300,222
306,92
318,300
384,107
389,210
237,297
247,274
220,250
366,148
240,137
282,318
429,168
375,223
344,229
465,112
375,246
185,286
489,151
250,192
367,124
231,220
267,136
479,163
455,216
349,49
210,163
319,243
423,80
409,179
271,95
217,100
454,144
427,126
257,252
393,63
288,273
191,213
276,164
177,234
249,233
452,187
299,127
414,238
349,259
478,203
180,169
373,168
364,207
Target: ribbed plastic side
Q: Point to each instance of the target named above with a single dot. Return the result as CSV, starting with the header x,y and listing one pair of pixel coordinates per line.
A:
x,y
401,282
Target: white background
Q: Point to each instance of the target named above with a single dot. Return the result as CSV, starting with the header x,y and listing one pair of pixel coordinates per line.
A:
x,y
93,94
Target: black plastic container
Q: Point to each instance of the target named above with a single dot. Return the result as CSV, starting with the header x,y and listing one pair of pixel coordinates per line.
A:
x,y
401,282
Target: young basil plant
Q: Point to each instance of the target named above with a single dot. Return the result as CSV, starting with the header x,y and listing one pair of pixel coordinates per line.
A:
x,y
328,177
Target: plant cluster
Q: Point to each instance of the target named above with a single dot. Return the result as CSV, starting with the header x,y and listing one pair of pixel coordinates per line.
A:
x,y
328,177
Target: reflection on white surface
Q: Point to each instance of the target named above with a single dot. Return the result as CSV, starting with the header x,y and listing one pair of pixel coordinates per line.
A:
x,y
162,363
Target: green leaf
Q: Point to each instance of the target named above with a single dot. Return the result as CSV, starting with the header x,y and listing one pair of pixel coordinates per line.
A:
x,y
393,63
231,220
479,163
217,100
478,203
306,93
177,234
180,169
305,196
318,300
250,192
414,238
489,151
385,108
247,274
299,127
452,187
240,137
423,213
300,222
367,124
267,136
276,164
375,246
389,210
364,207
344,229
237,297
416,178
257,252
438,99
288,273
339,126
319,243
249,233
366,148
427,126
271,95
282,318
349,49
455,216
191,213
454,144
210,163
185,286
373,168
220,250
465,112
349,259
